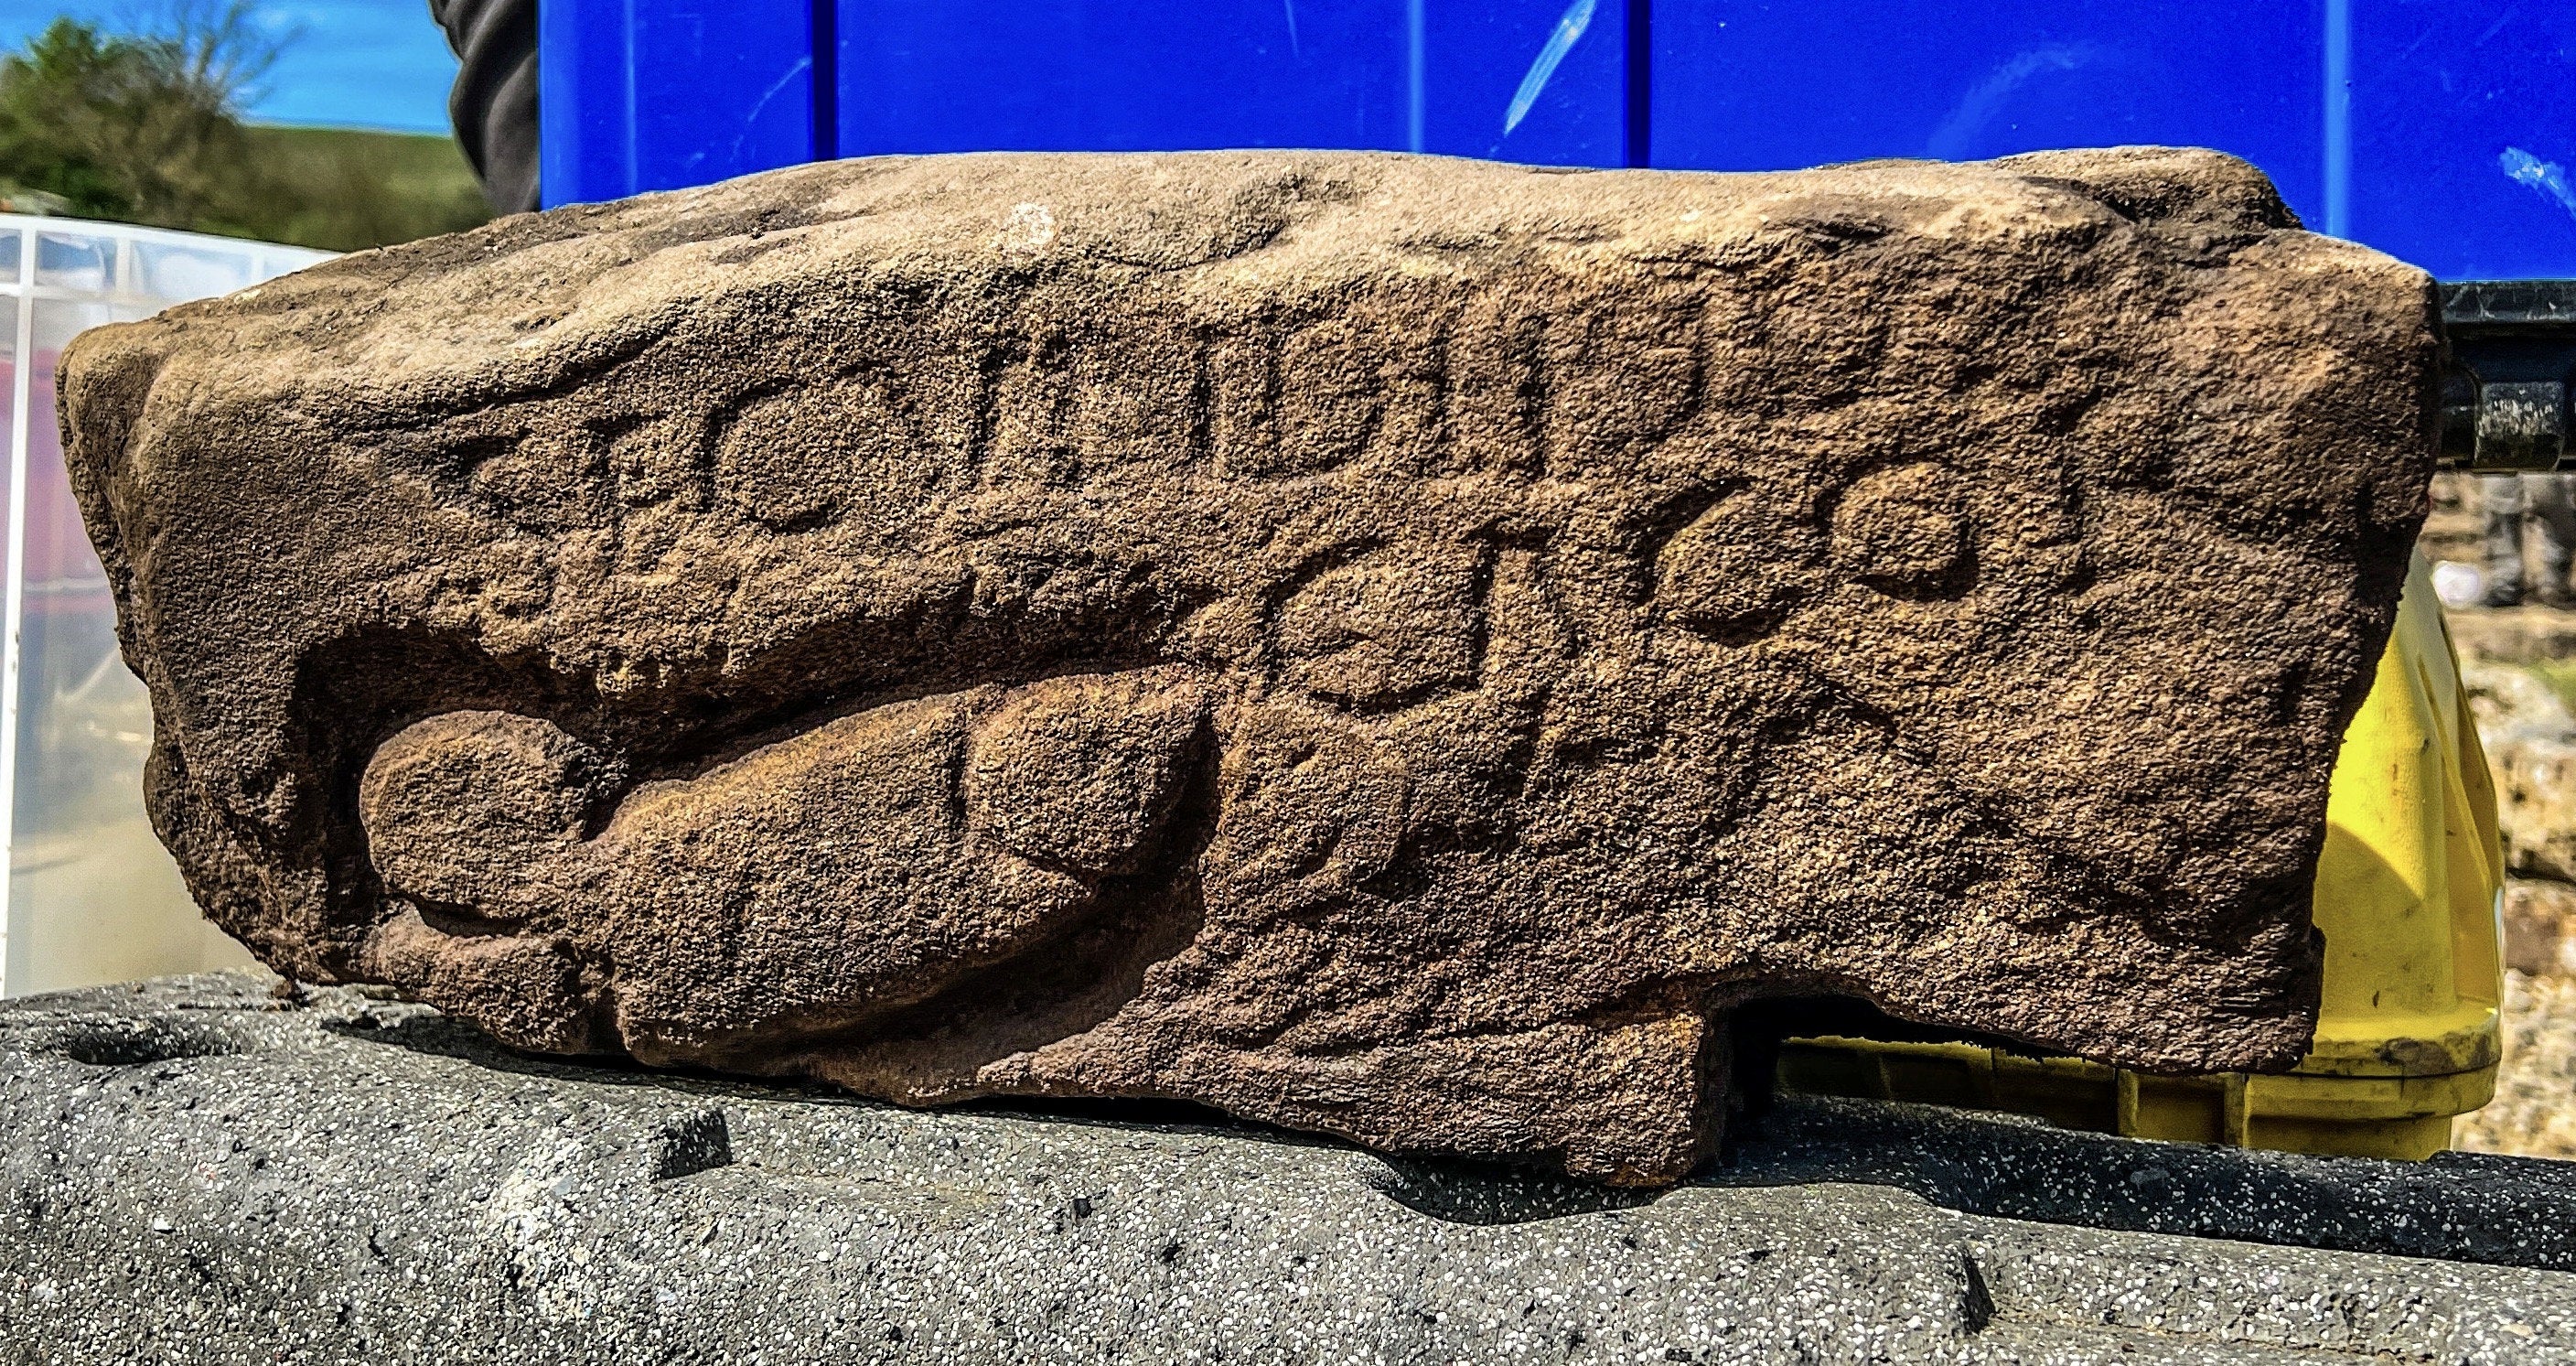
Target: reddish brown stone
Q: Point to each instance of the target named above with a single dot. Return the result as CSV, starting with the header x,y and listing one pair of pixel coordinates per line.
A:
x,y
1382,645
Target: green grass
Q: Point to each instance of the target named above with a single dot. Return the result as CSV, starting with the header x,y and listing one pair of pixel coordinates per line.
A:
x,y
342,189
2560,675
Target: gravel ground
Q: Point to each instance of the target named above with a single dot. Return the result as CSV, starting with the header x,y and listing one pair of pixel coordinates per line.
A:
x,y
2534,1110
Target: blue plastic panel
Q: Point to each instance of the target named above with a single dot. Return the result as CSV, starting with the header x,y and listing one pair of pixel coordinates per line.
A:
x,y
2440,131
2443,131
2464,135
656,94
1539,81
1775,84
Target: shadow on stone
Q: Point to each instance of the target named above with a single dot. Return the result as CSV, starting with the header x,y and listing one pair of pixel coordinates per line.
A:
x,y
2461,1207
423,1031
1138,1113
133,1043
1477,1193
428,1032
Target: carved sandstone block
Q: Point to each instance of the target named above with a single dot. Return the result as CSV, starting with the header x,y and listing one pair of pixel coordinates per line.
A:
x,y
1391,646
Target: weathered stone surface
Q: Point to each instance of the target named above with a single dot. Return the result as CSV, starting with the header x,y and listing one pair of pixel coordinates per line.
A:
x,y
2530,744
1382,645
2536,807
2539,924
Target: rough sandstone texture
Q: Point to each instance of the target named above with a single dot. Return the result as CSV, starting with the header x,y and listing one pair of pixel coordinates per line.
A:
x,y
1382,645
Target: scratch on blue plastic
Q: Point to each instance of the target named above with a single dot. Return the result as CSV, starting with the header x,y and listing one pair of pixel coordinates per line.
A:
x,y
1416,105
633,153
803,66
2337,152
1568,32
2545,177
642,95
1956,133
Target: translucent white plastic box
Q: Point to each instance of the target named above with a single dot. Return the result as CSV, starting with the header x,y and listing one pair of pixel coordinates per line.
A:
x,y
89,895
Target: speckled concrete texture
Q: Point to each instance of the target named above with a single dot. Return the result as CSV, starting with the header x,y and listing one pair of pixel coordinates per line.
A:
x,y
198,1171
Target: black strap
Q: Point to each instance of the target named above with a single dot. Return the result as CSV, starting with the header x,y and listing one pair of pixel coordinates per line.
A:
x,y
494,101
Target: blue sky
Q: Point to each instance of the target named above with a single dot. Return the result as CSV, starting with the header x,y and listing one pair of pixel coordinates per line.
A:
x,y
358,63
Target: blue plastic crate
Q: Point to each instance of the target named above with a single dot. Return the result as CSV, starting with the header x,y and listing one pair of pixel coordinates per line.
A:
x,y
1764,86
1525,81
637,95
2443,132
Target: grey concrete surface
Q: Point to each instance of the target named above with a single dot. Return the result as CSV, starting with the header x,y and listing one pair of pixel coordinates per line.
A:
x,y
198,1172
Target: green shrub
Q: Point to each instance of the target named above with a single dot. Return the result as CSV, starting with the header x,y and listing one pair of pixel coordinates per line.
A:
x,y
147,128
